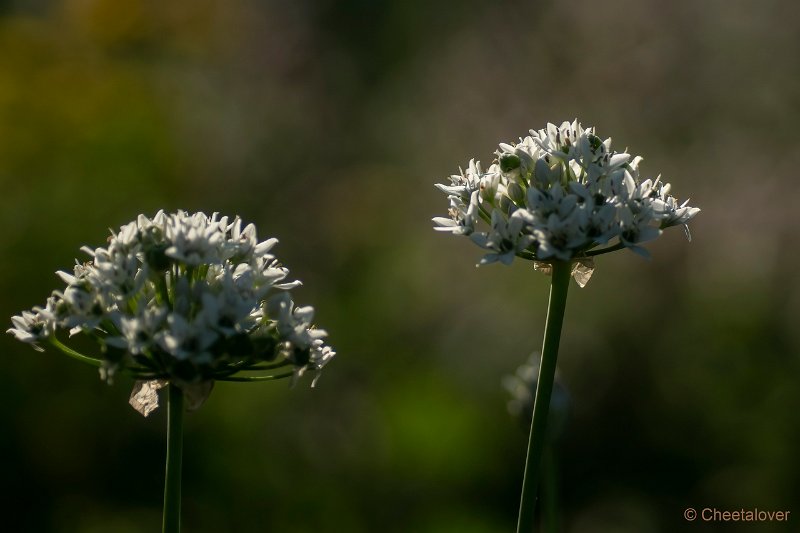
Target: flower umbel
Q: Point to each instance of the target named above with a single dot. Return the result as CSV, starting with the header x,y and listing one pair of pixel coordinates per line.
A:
x,y
185,299
558,195
558,198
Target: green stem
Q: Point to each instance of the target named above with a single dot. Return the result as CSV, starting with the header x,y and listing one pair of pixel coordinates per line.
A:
x,y
172,479
163,290
268,366
541,406
255,378
614,248
249,367
138,372
549,490
72,353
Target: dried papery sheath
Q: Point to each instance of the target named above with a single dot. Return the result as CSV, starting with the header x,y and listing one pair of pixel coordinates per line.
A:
x,y
560,194
185,299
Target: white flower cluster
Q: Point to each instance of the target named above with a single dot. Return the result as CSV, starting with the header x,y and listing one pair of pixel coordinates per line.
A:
x,y
555,196
183,297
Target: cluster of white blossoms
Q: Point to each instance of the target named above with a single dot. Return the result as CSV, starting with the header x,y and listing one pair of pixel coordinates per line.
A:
x,y
184,298
556,196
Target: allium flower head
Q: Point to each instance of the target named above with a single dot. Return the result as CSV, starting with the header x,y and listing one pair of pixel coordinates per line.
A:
x,y
183,298
558,195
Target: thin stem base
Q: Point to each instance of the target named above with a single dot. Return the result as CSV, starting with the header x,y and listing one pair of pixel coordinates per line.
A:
x,y
541,407
172,478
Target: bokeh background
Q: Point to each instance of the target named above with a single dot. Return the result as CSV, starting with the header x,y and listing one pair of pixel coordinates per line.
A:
x,y
327,123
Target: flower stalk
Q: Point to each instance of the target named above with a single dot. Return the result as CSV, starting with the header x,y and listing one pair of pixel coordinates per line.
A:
x,y
172,477
549,497
559,197
75,355
180,301
547,369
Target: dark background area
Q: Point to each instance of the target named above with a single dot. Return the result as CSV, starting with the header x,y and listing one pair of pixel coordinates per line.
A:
x,y
326,124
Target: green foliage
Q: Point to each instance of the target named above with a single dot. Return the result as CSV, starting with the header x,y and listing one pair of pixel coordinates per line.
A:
x,y
682,370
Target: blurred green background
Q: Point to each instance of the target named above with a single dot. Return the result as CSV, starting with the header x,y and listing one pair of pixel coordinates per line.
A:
x,y
327,123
